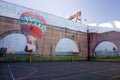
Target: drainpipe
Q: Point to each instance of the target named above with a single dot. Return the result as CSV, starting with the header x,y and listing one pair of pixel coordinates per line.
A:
x,y
88,44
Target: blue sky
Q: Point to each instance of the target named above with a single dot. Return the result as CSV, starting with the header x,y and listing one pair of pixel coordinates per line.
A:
x,y
105,45
14,42
66,45
97,11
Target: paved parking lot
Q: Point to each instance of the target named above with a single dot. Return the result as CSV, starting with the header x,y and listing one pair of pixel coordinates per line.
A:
x,y
83,70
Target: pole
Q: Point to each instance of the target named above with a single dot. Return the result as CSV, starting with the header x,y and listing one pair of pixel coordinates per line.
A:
x,y
30,58
88,41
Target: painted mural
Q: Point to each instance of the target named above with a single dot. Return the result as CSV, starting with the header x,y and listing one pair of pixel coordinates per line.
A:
x,y
32,26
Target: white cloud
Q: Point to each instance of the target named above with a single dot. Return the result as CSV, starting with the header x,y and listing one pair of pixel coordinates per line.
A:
x,y
106,25
92,24
117,24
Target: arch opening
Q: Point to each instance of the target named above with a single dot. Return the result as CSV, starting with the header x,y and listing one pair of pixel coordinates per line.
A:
x,y
106,49
66,46
15,43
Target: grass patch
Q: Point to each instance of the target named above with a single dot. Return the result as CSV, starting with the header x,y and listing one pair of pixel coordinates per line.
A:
x,y
15,57
25,57
106,58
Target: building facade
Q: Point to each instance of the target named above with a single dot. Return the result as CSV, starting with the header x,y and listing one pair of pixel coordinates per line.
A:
x,y
57,29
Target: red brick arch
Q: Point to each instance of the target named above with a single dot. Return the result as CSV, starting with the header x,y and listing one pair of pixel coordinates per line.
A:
x,y
104,41
96,38
9,32
75,42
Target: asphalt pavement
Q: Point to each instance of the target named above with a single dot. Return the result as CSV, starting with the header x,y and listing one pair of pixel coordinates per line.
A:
x,y
82,70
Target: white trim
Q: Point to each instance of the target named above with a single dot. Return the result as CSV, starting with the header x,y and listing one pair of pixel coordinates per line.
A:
x,y
11,72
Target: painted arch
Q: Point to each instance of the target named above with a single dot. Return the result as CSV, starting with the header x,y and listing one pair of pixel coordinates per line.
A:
x,y
106,48
66,46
